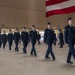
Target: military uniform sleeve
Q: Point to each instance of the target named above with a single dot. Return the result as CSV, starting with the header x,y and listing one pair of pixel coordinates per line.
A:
x,y
65,34
45,36
54,36
21,36
30,33
36,35
12,36
27,37
1,37
6,37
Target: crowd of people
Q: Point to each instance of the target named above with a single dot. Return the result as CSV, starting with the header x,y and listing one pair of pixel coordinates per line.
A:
x,y
49,38
25,37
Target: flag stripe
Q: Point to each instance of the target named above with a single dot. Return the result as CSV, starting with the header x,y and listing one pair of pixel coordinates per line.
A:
x,y
61,5
51,2
61,11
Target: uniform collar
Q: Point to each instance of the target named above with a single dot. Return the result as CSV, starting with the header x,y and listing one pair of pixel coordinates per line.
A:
x,y
70,25
24,31
49,28
33,30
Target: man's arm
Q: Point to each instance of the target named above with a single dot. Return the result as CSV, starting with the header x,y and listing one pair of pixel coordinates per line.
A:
x,y
66,34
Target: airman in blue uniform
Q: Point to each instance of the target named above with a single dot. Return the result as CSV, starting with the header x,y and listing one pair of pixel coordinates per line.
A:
x,y
10,39
0,39
38,38
61,38
4,39
33,38
24,38
69,39
49,37
16,39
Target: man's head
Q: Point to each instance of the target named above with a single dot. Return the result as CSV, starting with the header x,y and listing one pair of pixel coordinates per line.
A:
x,y
69,21
24,28
49,25
33,27
16,29
9,31
60,30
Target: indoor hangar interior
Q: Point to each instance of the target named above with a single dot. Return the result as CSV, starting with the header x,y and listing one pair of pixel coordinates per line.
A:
x,y
39,50
24,13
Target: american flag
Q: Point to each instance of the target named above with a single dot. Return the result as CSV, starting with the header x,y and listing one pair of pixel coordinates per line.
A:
x,y
54,7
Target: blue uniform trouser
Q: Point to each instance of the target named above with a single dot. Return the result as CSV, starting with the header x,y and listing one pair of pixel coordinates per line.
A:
x,y
0,43
33,50
49,51
10,44
24,46
16,45
4,43
38,41
61,43
71,51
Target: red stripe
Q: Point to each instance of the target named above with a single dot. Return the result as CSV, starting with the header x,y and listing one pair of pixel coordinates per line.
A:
x,y
52,2
61,11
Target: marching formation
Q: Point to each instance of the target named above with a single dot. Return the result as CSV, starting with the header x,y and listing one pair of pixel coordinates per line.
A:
x,y
49,38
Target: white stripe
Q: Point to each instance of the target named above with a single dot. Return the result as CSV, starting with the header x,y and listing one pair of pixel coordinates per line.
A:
x,y
61,5
47,0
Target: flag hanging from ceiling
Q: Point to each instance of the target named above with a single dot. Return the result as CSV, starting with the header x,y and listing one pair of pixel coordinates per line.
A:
x,y
54,7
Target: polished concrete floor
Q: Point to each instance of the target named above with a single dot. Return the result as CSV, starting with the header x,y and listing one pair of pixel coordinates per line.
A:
x,y
13,63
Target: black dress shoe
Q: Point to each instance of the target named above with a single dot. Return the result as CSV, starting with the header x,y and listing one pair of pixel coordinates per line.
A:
x,y
31,54
24,52
69,62
47,57
53,59
60,47
10,49
17,50
35,55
